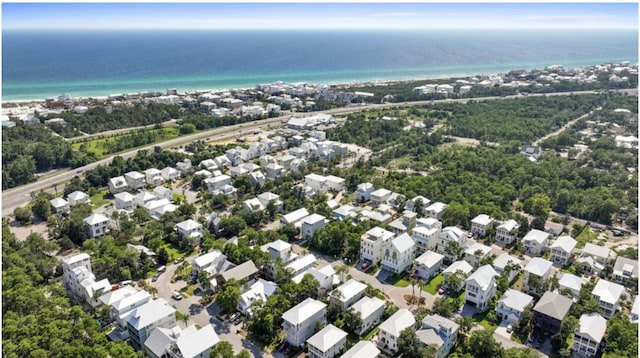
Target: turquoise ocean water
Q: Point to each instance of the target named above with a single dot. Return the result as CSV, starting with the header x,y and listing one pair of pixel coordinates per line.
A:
x,y
39,64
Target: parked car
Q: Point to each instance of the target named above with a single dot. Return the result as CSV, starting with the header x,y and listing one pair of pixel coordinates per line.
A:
x,y
509,328
178,260
155,277
365,266
176,296
234,316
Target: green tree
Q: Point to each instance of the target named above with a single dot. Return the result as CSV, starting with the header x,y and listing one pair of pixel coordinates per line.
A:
x,y
622,337
453,249
443,306
229,296
23,215
409,344
244,354
232,226
455,214
481,343
222,349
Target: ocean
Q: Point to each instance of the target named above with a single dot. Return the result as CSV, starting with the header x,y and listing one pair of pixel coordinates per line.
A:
x,y
40,64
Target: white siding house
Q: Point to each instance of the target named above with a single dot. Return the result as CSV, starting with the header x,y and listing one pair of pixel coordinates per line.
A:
x,y
372,243
562,250
427,265
398,254
327,343
97,225
370,310
300,321
391,328
535,242
507,232
480,287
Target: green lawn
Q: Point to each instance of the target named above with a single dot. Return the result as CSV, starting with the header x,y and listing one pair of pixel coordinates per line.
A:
x,y
98,199
173,251
398,280
586,236
371,333
481,319
97,145
432,286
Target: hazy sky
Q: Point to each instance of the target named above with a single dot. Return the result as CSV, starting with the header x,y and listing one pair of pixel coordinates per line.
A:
x,y
320,16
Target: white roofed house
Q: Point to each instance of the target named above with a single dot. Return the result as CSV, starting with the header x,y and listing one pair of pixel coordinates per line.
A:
x,y
78,197
480,287
506,262
417,204
427,265
190,229
300,321
570,283
370,310
379,196
435,210
96,225
348,293
135,180
625,270
480,224
60,206
372,243
608,294
125,201
144,197
588,335
170,174
163,192
176,342
391,328
153,177
273,171
426,238
210,262
147,318
405,223
535,242
184,166
117,185
635,310
363,192
507,232
536,275
562,250
215,184
326,276
461,268
362,349
327,343
335,183
301,264
440,332
294,217
123,308
451,236
511,305
312,223
29,119
257,178
398,254
208,164
255,295
593,258
476,253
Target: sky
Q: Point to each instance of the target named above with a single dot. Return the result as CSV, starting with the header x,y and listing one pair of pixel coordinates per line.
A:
x,y
309,16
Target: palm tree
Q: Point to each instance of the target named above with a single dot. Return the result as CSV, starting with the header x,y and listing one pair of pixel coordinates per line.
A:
x,y
153,291
342,270
185,318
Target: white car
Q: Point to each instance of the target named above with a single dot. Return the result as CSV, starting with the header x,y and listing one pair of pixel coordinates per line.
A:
x,y
509,328
176,296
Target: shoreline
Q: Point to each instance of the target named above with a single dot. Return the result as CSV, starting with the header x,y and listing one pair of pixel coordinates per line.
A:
x,y
347,84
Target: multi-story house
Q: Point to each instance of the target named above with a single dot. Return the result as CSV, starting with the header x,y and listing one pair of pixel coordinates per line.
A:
x,y
405,223
312,223
390,330
593,258
451,234
363,192
476,253
135,180
427,265
506,262
461,268
635,310
507,232
317,182
326,277
162,192
535,242
480,287
536,274
480,224
117,185
96,225
426,235
59,205
435,210
398,254
380,196
123,308
362,349
125,201
144,197
300,264
370,310
78,197
348,293
190,229
550,311
562,250
589,334
175,342
570,283
258,292
608,295
210,262
144,319
511,305
327,343
372,242
153,177
300,321
417,204
625,270
440,332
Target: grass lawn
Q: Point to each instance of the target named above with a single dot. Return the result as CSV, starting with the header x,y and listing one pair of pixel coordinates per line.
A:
x,y
518,284
371,333
481,319
398,280
432,286
98,199
586,236
97,145
173,251
189,290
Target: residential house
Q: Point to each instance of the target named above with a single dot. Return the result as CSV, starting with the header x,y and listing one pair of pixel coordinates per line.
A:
x,y
170,174
78,197
344,212
273,171
550,311
277,250
427,265
440,332
506,262
325,276
562,250
162,192
362,349
348,293
593,258
327,343
294,217
146,318
60,206
405,223
125,201
157,208
111,297
461,268
317,182
210,262
29,119
370,310
123,308
335,183
257,178
588,335
300,321
258,292
268,197
426,234
184,166
390,330
449,235
480,287
507,232
153,177
379,196
190,229
175,342
363,192
253,205
608,294
246,271
570,283
312,223
208,164
417,204
635,310
435,210
144,197
536,274
480,224
117,185
535,242
372,243
96,225
476,253
135,180
625,270
78,277
398,254
216,184
300,264
511,305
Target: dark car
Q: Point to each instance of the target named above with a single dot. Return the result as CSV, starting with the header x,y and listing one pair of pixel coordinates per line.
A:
x,y
155,277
